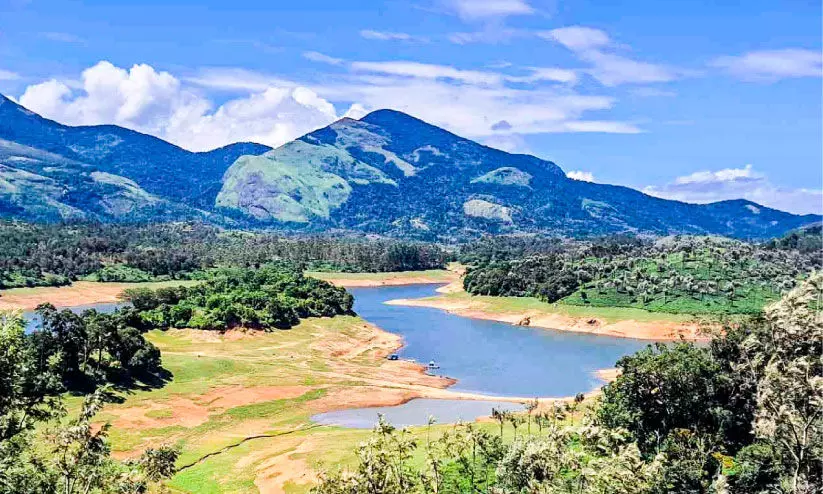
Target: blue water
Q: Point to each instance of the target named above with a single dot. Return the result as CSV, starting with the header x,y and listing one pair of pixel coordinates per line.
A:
x,y
34,322
485,357
415,412
492,357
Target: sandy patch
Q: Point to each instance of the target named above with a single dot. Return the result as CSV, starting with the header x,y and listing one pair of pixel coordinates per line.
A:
x,y
237,396
362,397
291,467
204,336
645,330
607,375
181,411
389,279
79,293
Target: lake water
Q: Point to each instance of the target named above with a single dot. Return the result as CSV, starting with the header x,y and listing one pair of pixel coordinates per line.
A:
x,y
415,412
485,357
34,322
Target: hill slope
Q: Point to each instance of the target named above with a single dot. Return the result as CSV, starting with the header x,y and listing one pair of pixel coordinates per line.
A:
x,y
387,173
394,174
35,145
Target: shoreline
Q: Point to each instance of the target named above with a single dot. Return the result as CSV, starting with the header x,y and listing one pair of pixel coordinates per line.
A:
x,y
73,295
369,280
381,343
662,330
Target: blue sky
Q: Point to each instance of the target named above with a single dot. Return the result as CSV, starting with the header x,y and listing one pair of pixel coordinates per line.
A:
x,y
682,99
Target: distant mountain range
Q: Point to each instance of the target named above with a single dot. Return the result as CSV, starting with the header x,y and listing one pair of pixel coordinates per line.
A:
x,y
387,173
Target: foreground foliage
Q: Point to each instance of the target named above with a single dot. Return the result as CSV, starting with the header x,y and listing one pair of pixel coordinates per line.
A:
x,y
42,453
742,416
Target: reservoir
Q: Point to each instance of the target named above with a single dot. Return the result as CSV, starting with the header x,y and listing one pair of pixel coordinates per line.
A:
x,y
486,357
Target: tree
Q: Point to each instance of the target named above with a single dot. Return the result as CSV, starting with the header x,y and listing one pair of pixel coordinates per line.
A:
x,y
785,351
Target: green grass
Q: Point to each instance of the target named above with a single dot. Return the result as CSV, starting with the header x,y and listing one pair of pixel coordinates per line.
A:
x,y
502,305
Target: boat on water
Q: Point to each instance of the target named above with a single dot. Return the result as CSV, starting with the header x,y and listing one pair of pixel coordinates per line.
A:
x,y
433,365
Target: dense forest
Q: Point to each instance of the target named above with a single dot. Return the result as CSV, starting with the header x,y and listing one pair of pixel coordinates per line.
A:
x,y
273,296
700,275
38,255
743,415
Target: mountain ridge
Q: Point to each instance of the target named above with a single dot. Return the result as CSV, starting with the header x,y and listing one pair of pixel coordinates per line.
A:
x,y
387,173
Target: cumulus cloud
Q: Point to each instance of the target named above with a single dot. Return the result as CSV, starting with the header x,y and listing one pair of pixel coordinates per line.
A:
x,y
607,65
739,183
392,36
773,65
487,9
158,103
580,175
487,105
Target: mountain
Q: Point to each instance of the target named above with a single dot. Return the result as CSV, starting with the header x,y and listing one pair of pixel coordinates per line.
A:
x,y
104,172
387,173
391,173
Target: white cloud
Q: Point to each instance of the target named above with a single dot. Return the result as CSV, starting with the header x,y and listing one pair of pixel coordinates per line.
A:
x,y
236,79
773,65
392,36
486,9
578,38
611,69
546,74
580,175
511,143
157,103
427,71
322,58
491,34
7,75
487,105
476,110
739,183
63,37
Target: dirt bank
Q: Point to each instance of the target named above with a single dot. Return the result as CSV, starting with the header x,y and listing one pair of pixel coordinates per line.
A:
x,y
78,293
361,280
644,330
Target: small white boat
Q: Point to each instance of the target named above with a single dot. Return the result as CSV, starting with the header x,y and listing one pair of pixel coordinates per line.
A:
x,y
433,365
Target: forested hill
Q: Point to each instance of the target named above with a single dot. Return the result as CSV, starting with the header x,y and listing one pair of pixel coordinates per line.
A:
x,y
50,171
387,173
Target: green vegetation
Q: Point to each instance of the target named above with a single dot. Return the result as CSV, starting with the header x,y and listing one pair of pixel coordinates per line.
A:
x,y
54,255
680,275
74,457
741,416
91,349
274,296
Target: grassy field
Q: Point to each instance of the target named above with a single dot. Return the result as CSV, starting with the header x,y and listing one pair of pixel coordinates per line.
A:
x,y
239,404
530,304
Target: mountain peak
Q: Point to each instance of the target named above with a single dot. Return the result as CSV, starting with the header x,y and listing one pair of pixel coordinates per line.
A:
x,y
388,113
